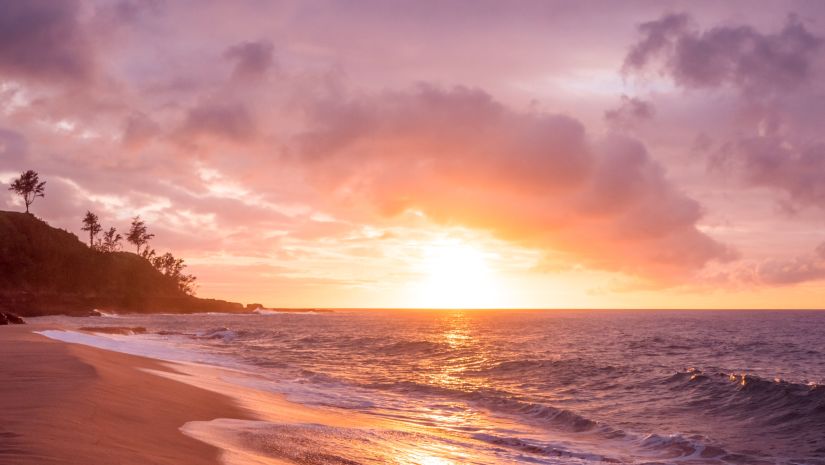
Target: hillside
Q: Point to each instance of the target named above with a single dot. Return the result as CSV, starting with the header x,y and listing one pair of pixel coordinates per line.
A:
x,y
44,270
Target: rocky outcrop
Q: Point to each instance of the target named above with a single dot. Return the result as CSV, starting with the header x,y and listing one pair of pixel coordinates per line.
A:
x,y
8,318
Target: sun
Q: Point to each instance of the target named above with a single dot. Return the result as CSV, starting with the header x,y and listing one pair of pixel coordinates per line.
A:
x,y
456,275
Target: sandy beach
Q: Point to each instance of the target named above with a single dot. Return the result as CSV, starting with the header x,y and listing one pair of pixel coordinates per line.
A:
x,y
71,404
68,403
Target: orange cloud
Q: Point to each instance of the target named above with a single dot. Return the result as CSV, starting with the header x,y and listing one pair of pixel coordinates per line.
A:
x,y
460,157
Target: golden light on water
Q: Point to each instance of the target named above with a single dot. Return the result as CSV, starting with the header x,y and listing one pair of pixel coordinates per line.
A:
x,y
423,459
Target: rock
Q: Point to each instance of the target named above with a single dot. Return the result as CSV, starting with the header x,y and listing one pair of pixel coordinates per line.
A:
x,y
254,306
8,318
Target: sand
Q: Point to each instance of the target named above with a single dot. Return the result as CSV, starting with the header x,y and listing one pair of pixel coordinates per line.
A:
x,y
71,404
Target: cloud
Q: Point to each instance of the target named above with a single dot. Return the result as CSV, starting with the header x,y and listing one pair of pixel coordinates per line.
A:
x,y
230,121
138,130
631,111
183,91
757,63
460,157
810,267
13,149
44,40
773,272
771,161
776,79
252,59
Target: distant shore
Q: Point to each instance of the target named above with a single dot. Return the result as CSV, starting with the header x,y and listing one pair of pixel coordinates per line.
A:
x,y
71,404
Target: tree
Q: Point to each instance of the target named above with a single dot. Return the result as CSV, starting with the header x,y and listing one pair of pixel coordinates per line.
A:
x,y
173,268
91,224
138,233
111,241
29,187
148,254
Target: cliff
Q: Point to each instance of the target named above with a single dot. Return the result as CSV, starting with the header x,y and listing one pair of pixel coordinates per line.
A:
x,y
45,271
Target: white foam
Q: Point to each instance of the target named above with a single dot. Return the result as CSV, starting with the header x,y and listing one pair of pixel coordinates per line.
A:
x,y
107,314
145,346
269,311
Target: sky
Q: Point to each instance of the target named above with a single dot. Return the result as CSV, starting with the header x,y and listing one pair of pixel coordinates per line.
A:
x,y
588,154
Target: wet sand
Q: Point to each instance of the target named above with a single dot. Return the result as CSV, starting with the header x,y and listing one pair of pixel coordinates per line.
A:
x,y
71,404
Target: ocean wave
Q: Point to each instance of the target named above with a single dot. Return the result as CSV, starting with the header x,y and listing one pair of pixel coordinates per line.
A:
x,y
413,347
541,367
778,404
121,330
230,335
549,450
222,333
658,343
316,444
501,402
107,314
308,311
677,446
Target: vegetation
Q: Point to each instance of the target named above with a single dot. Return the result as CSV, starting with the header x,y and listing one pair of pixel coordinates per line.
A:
x,y
172,268
44,270
138,233
36,259
29,187
111,241
91,224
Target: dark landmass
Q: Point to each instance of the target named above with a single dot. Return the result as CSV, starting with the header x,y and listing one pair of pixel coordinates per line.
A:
x,y
48,271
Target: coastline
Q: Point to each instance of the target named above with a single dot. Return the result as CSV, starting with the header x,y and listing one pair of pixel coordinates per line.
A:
x,y
66,403
69,403
275,390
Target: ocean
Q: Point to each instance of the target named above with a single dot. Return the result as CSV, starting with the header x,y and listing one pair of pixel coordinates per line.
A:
x,y
504,387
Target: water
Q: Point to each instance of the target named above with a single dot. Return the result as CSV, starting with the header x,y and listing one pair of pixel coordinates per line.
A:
x,y
522,386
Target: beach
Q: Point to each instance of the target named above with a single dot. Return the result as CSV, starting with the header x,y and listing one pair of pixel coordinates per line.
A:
x,y
411,388
73,403
70,404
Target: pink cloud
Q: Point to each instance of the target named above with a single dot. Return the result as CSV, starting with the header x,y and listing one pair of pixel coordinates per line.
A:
x,y
630,112
44,40
741,56
252,59
535,178
127,103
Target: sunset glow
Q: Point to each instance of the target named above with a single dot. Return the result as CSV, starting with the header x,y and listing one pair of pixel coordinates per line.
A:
x,y
303,154
412,232
457,275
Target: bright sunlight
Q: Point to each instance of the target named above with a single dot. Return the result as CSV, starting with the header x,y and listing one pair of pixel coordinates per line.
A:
x,y
457,275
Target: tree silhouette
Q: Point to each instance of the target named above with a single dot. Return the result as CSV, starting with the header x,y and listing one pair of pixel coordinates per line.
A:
x,y
138,233
148,254
29,187
91,224
173,268
111,241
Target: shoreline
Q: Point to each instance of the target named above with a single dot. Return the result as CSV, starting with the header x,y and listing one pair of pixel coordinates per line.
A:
x,y
63,403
